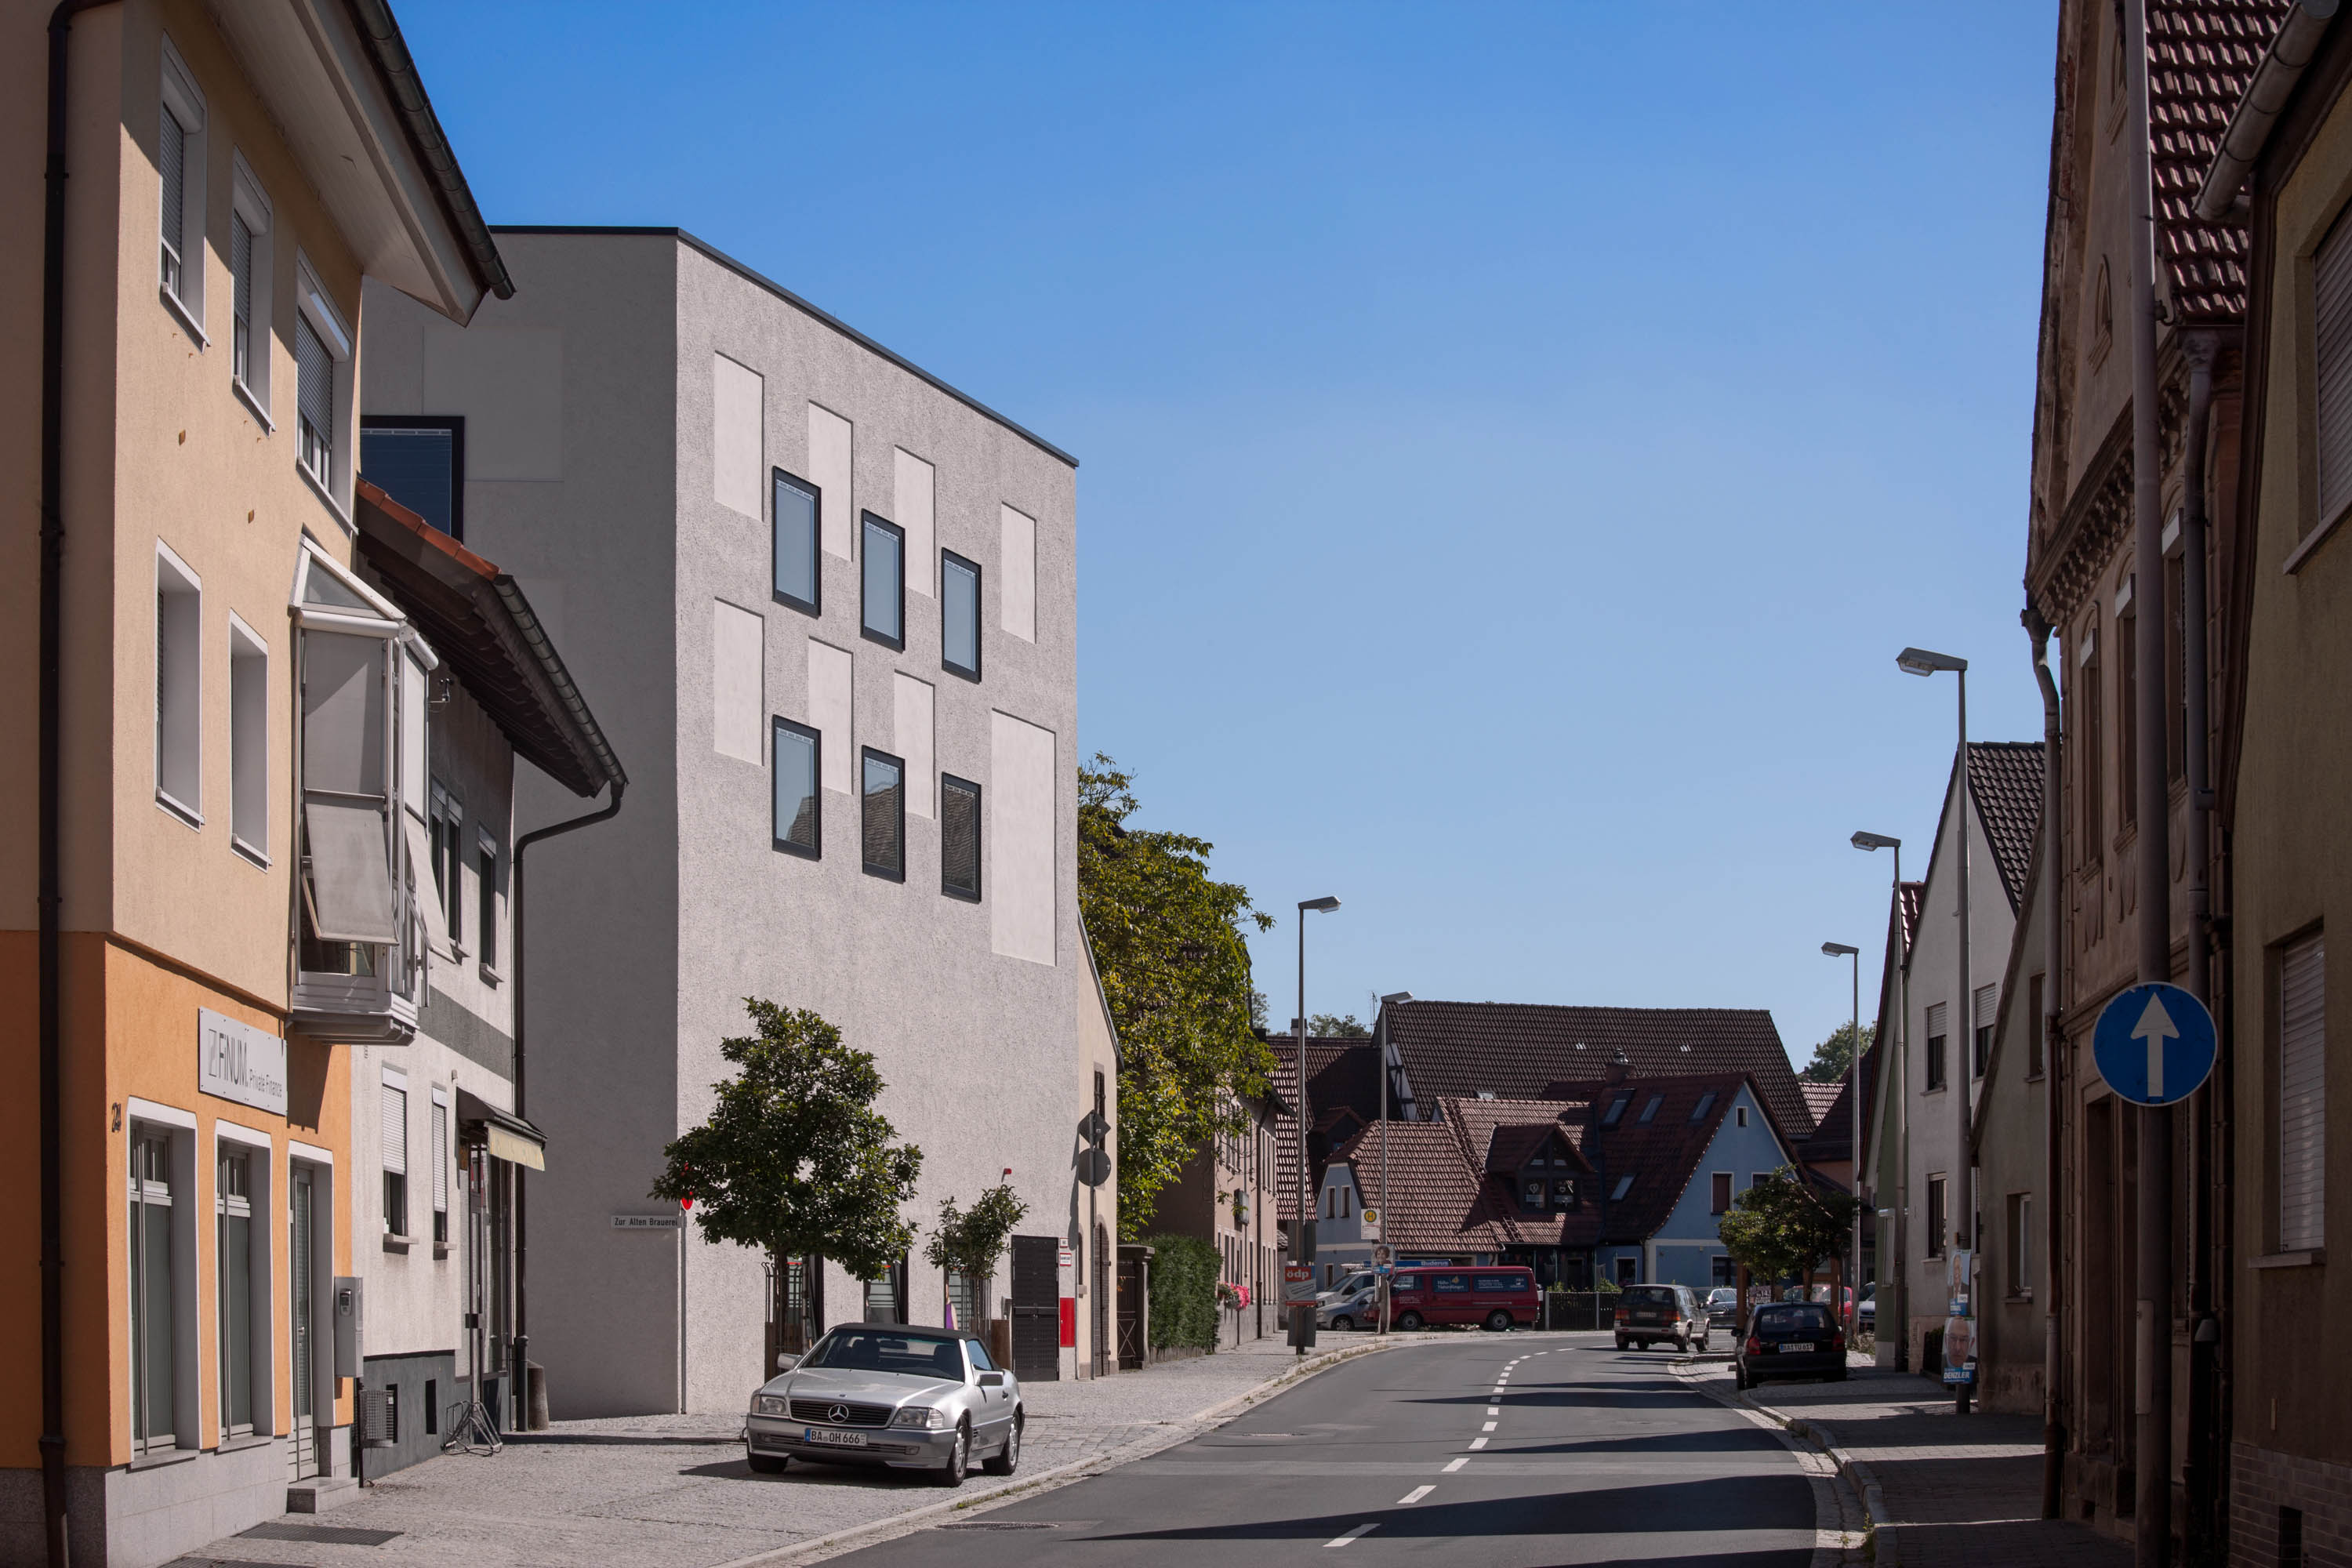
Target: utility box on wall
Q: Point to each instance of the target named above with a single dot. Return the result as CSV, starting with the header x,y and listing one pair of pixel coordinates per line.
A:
x,y
348,1310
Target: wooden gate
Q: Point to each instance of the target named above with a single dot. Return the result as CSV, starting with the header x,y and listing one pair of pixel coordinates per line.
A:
x,y
1037,1309
1134,1318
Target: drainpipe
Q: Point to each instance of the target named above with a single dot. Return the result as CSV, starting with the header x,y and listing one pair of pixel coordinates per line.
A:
x,y
2053,1429
2200,349
51,767
522,1378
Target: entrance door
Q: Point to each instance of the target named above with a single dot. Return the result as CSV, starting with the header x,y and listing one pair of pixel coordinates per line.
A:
x,y
301,1312
1036,1308
1133,1275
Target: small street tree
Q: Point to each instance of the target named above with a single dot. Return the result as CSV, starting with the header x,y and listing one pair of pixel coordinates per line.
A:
x,y
793,1158
1783,1227
1833,1056
968,1242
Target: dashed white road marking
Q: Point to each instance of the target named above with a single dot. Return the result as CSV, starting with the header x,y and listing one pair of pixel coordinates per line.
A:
x,y
1478,1442
1359,1530
1489,1426
1494,1410
1452,1466
1414,1496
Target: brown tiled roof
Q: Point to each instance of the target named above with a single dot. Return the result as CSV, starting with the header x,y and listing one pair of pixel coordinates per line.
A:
x,y
2005,780
1661,1152
1514,1050
2200,55
1912,893
1832,1136
1818,1097
1342,1075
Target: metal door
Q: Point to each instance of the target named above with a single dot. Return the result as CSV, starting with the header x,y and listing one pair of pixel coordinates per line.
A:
x,y
1099,1314
301,1314
1132,1278
1036,1308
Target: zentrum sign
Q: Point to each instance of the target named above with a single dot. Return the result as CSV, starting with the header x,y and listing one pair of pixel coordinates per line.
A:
x,y
236,1061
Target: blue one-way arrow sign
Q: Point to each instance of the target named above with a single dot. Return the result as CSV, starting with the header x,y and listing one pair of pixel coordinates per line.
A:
x,y
2153,1044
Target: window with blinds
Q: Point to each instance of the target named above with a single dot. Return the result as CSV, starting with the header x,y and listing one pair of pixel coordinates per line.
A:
x,y
2331,299
1987,1012
959,837
314,398
2302,1094
172,166
1938,1031
240,271
395,1160
440,1168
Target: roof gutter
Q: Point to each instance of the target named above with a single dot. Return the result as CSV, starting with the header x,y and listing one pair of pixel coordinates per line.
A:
x,y
388,51
2258,110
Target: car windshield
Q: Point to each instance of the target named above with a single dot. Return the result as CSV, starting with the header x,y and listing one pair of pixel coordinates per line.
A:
x,y
1650,1295
865,1350
1722,1295
1791,1317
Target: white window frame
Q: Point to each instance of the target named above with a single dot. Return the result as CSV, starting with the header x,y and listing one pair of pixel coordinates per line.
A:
x,y
180,687
249,742
395,1083
490,903
334,486
438,1139
250,203
181,100
446,824
230,1139
177,1129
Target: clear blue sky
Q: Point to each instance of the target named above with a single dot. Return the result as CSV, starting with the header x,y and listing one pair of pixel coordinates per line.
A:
x,y
1515,440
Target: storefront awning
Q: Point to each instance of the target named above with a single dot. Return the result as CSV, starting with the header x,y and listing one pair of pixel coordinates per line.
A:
x,y
502,1134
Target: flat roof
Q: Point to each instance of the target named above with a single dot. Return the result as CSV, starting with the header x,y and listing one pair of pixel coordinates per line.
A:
x,y
751,275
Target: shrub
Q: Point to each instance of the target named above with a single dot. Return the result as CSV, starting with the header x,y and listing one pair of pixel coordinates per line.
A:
x,y
1184,1271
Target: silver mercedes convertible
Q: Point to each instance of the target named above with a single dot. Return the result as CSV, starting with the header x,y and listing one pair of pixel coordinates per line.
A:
x,y
884,1394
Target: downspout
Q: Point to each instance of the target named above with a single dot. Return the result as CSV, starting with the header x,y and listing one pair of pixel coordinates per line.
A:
x,y
2204,1478
521,1211
2053,1428
51,768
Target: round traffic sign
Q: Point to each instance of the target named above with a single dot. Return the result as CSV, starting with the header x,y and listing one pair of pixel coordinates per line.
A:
x,y
2153,1044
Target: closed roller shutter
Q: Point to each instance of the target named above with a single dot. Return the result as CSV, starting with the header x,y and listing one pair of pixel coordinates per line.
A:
x,y
2303,1095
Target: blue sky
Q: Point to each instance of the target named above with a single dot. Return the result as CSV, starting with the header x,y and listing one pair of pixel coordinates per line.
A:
x,y
1515,440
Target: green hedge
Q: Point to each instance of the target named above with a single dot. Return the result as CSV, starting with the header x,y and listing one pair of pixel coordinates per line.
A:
x,y
1184,1271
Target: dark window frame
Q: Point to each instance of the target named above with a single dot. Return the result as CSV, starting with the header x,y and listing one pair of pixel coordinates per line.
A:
x,y
866,564
453,423
813,606
978,637
815,737
871,754
979,857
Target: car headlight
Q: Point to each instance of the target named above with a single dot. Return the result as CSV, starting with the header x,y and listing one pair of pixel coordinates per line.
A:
x,y
769,1405
928,1418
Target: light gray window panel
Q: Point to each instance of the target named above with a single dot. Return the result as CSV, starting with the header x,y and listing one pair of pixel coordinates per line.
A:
x,y
2331,288
959,615
884,816
343,712
314,396
2303,1095
885,581
347,876
959,837
240,267
794,828
153,1333
795,542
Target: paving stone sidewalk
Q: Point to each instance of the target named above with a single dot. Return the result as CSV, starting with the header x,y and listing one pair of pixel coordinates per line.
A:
x,y
1959,1490
674,1490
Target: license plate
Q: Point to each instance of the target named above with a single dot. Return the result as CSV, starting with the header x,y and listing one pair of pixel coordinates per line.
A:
x,y
1799,1347
836,1439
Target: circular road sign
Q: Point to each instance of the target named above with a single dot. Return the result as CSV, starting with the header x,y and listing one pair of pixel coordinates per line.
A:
x,y
2153,1044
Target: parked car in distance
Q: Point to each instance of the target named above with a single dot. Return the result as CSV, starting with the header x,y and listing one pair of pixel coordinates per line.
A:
x,y
1360,1310
1349,1285
1497,1298
1865,1312
1790,1339
1647,1314
884,1394
1722,1308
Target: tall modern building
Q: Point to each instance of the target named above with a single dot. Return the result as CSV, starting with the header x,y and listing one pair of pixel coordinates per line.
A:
x,y
825,603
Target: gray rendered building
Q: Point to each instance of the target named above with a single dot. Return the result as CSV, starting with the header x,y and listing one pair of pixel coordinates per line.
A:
x,y
825,605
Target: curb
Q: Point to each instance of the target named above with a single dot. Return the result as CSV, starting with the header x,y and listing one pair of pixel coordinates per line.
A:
x,y
1182,1431
1883,1544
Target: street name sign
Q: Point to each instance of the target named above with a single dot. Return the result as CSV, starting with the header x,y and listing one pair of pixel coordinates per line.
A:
x,y
2153,1044
647,1221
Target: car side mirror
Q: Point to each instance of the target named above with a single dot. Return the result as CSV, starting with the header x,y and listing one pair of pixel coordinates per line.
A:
x,y
992,1380
786,1361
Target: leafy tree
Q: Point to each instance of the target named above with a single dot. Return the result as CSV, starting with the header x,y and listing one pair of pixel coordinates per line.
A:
x,y
970,1241
1331,1027
793,1158
1168,940
1833,1056
1782,1228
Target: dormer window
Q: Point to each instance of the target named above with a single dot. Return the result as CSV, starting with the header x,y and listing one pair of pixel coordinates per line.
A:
x,y
1706,1103
1650,1111
1616,1112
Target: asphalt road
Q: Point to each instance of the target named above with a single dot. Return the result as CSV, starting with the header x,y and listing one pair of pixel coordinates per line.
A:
x,y
1500,1451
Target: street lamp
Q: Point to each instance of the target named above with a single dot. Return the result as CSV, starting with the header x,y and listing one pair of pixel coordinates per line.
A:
x,y
1383,1044
1920,662
1302,1241
1867,842
1854,1106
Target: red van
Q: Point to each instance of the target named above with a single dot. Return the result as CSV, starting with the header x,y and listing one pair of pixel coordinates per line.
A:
x,y
1499,1296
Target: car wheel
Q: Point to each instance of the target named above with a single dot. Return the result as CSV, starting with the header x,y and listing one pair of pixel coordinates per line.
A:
x,y
1342,1323
1740,1379
1620,1341
1499,1321
1008,1460
1408,1321
767,1464
1702,1344
951,1474
1838,1376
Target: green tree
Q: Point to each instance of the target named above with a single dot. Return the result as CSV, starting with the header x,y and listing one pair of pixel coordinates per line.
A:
x,y
1333,1027
970,1241
793,1158
1168,940
1833,1056
1783,1227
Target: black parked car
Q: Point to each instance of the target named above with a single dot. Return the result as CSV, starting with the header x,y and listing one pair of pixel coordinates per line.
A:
x,y
1791,1339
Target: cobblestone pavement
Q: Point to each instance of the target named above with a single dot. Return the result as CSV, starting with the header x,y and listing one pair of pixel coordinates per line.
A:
x,y
674,1489
1959,1490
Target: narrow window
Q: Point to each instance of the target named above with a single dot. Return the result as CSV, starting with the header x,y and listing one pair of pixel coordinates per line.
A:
x,y
1719,1193
2176,685
1625,1186
1616,1112
2021,1243
314,398
2331,288
959,616
249,288
2127,718
797,505
1936,1216
440,1198
2303,1095
180,160
1987,1014
432,1406
794,827
419,460
249,742
2036,1025
240,309
959,837
2090,742
1937,1031
179,687
1706,1103
1742,1114
233,1266
485,931
394,1125
172,165
153,1333
885,581
2290,1538
883,825
448,824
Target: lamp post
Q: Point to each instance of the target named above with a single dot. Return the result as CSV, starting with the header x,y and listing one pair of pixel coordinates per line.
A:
x,y
1302,1241
1899,1093
1383,1044
1853,1104
1920,662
